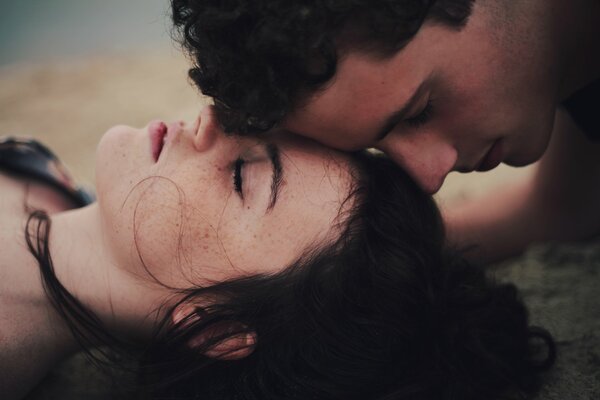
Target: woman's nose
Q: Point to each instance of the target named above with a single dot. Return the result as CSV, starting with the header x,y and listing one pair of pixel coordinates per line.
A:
x,y
207,129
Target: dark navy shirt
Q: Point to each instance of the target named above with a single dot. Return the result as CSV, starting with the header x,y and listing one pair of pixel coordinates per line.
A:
x,y
31,159
584,107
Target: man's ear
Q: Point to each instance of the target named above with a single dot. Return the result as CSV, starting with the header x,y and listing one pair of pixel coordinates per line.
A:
x,y
234,347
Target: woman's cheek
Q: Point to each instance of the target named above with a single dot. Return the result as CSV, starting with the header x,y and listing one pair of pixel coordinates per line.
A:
x,y
144,227
156,236
207,235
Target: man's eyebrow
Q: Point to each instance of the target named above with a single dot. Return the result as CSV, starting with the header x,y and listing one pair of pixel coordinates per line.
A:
x,y
395,118
273,152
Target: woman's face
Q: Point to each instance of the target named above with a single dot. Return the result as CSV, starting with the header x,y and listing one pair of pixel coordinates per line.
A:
x,y
206,207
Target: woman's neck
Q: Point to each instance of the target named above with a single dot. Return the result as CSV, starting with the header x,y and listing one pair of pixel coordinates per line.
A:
x,y
29,324
83,263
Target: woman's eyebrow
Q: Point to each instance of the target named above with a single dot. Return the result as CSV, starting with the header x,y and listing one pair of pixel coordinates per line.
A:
x,y
273,152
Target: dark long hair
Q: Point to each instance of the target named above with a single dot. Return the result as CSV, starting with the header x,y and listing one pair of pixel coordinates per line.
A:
x,y
260,59
386,312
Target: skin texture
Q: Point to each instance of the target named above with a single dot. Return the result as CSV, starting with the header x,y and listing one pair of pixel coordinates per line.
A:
x,y
178,221
187,214
17,292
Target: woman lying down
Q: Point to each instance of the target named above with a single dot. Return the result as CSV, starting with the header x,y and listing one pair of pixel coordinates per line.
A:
x,y
239,268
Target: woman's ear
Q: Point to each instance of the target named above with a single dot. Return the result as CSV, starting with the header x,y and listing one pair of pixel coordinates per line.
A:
x,y
233,347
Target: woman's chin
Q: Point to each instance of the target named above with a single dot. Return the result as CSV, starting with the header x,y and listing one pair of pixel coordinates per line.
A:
x,y
118,156
118,133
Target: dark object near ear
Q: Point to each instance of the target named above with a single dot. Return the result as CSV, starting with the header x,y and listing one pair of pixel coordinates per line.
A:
x,y
584,107
31,159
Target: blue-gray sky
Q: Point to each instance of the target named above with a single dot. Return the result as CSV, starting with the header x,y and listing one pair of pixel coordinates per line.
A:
x,y
40,30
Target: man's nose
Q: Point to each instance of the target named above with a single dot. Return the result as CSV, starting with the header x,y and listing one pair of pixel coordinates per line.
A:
x,y
427,159
207,129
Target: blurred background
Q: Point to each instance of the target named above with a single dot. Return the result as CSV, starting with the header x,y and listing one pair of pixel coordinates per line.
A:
x,y
43,30
71,69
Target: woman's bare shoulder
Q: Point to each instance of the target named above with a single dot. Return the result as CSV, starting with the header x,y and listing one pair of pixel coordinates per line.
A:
x,y
24,346
23,323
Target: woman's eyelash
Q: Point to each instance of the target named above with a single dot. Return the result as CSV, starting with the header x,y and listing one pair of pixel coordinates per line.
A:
x,y
423,117
237,176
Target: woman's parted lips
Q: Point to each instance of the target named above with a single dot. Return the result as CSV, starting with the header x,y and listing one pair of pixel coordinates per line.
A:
x,y
157,131
162,133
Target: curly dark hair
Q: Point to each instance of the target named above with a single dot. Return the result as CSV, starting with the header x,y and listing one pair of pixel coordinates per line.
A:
x,y
260,59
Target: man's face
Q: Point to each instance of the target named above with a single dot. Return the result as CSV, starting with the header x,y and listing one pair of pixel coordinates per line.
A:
x,y
449,101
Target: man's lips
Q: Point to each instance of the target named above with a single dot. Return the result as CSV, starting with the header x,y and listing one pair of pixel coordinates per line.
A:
x,y
492,158
157,131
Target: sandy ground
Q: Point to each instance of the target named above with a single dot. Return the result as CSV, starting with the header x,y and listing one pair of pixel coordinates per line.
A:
x,y
70,104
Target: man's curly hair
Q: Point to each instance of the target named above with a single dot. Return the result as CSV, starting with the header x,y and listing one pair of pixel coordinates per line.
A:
x,y
259,59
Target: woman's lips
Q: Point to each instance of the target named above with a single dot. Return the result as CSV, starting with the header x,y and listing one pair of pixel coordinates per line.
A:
x,y
492,158
158,133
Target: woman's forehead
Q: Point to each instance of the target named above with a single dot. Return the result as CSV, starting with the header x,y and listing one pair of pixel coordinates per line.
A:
x,y
314,163
305,148
316,184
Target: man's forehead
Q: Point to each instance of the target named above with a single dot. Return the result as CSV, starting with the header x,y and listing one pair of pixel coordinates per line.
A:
x,y
362,93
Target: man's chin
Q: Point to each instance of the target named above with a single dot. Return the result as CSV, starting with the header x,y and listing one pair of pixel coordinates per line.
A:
x,y
522,159
518,163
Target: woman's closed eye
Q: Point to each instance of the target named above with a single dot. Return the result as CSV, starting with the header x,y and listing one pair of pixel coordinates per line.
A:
x,y
238,183
257,174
